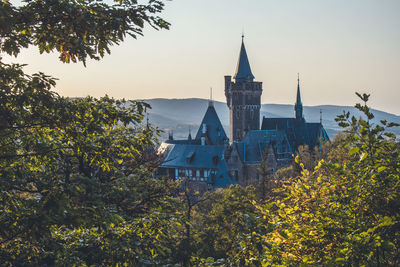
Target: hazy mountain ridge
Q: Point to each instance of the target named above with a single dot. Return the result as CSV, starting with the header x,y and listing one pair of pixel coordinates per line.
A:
x,y
178,115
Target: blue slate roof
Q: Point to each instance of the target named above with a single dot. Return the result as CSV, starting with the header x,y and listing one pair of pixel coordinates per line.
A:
x,y
215,132
298,131
243,70
255,143
181,142
198,157
193,156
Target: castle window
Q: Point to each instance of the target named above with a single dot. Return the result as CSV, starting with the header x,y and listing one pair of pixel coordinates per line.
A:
x,y
215,160
252,114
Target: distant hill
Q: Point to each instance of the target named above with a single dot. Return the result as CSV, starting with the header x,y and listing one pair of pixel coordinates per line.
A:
x,y
178,115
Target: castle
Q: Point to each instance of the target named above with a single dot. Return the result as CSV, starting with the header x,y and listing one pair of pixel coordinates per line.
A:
x,y
212,160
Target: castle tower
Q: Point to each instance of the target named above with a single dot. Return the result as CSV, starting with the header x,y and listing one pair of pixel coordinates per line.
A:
x,y
298,107
243,97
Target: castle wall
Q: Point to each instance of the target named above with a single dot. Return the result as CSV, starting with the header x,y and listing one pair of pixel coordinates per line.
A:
x,y
244,102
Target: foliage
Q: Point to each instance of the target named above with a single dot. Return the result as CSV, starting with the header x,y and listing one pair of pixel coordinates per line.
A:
x,y
227,226
76,175
346,211
74,170
77,184
75,29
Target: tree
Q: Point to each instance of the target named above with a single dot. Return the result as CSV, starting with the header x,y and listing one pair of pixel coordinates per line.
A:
x,y
76,29
228,227
76,183
347,210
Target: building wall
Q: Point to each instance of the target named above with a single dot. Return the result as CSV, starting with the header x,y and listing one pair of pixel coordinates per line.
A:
x,y
244,102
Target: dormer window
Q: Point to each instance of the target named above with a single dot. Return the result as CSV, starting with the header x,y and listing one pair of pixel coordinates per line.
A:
x,y
190,157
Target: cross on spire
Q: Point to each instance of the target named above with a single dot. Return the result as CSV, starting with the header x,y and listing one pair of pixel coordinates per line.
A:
x,y
320,116
210,102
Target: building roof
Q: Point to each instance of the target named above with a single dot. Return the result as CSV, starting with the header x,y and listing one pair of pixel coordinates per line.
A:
x,y
243,70
298,131
253,145
222,178
192,156
198,157
215,132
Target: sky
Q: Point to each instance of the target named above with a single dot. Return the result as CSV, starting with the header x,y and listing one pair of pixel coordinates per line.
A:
x,y
338,47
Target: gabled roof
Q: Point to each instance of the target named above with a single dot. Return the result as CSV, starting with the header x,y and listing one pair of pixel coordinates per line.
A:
x,y
243,70
215,132
298,131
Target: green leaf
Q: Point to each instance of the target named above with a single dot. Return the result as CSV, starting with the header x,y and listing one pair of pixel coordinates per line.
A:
x,y
354,150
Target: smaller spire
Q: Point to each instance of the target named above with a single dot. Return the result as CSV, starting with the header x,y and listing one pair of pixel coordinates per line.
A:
x,y
298,107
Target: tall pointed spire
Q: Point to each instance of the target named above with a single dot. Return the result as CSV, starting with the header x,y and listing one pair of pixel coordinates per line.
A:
x,y
298,107
243,70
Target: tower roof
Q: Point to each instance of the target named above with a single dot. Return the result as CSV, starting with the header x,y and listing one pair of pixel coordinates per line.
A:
x,y
214,128
243,70
298,107
298,98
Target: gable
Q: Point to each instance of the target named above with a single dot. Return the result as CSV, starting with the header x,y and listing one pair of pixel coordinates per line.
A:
x,y
215,133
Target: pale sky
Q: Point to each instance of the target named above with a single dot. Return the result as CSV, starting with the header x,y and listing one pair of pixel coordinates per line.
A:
x,y
337,46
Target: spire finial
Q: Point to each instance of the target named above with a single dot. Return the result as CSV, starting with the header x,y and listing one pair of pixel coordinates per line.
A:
x,y
210,102
242,35
320,116
298,78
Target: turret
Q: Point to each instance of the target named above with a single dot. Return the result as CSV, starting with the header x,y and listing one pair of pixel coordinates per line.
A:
x,y
243,97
